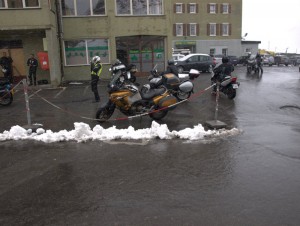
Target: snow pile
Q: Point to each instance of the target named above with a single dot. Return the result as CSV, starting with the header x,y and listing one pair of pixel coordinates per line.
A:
x,y
82,133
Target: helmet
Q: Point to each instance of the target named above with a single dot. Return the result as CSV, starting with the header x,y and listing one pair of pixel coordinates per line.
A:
x,y
96,59
225,59
171,62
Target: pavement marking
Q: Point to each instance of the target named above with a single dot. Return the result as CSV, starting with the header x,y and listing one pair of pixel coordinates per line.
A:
x,y
35,93
60,92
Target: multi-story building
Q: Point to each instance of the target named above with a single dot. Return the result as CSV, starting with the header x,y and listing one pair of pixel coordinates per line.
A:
x,y
142,32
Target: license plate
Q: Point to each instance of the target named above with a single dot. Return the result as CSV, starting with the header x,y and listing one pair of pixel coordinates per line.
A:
x,y
235,86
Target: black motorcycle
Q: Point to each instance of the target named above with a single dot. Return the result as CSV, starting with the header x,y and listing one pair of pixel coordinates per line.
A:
x,y
128,72
180,88
227,84
253,65
6,92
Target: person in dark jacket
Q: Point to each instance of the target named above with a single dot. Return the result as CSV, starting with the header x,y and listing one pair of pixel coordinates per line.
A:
x,y
96,69
259,62
171,68
223,69
32,63
7,69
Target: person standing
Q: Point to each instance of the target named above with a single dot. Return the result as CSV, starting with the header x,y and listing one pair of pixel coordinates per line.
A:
x,y
33,64
6,64
96,69
171,68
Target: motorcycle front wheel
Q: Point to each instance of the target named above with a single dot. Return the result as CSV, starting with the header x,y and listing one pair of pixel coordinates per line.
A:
x,y
6,98
158,114
182,95
104,113
231,93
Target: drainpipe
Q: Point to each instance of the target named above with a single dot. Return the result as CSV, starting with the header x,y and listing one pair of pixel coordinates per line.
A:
x,y
60,37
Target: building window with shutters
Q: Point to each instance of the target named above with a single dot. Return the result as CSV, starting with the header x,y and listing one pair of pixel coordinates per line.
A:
x,y
212,29
193,29
225,29
212,8
178,8
225,8
179,29
192,8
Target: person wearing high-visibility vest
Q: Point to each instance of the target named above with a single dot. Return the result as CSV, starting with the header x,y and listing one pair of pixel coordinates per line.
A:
x,y
96,69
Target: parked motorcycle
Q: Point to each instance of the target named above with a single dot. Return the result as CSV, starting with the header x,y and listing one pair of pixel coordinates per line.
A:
x,y
227,84
130,101
180,88
128,72
6,92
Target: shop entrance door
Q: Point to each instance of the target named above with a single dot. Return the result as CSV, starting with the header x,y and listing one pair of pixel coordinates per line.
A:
x,y
143,51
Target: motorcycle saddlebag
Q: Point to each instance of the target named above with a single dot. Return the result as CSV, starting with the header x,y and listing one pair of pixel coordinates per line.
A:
x,y
194,74
186,86
171,81
167,101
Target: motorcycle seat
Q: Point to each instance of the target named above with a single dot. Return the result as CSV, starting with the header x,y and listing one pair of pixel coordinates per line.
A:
x,y
152,93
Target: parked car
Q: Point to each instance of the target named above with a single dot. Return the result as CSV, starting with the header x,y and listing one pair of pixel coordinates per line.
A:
x,y
295,60
198,61
281,59
218,59
268,60
177,56
243,60
233,60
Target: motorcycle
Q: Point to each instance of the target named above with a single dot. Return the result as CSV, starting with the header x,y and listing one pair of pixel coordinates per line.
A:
x,y
128,72
252,65
181,87
227,84
130,101
6,92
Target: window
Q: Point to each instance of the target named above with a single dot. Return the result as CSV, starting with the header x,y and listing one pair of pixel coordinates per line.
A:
x,y
179,29
212,52
80,52
224,52
193,8
225,8
14,4
212,8
178,8
193,29
225,29
212,29
139,7
83,7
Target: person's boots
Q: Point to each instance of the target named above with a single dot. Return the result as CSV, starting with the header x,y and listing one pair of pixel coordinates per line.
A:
x,y
97,98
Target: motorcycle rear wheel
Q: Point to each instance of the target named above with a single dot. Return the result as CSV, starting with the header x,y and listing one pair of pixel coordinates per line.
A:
x,y
182,95
104,113
158,114
6,98
231,93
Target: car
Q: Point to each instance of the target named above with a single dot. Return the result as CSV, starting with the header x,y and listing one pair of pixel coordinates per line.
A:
x,y
199,61
177,56
268,60
218,59
233,60
243,60
281,59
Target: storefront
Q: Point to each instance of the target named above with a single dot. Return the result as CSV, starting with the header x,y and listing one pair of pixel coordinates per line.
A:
x,y
143,51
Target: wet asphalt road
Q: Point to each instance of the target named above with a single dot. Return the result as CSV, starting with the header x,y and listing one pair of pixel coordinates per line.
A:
x,y
249,179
